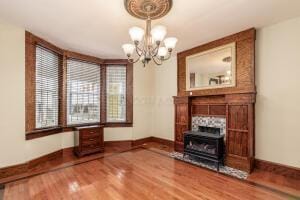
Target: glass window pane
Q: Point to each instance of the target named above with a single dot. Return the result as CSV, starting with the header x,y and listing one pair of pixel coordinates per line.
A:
x,y
83,92
116,93
47,91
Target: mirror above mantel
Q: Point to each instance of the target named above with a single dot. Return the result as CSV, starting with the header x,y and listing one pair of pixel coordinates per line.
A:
x,y
214,68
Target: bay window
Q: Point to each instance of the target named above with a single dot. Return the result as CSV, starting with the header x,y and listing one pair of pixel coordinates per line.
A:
x,y
66,89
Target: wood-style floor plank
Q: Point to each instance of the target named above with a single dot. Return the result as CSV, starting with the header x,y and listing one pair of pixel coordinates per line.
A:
x,y
135,175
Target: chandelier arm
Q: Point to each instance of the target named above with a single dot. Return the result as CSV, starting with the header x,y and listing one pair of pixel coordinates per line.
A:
x,y
137,49
154,51
155,61
133,61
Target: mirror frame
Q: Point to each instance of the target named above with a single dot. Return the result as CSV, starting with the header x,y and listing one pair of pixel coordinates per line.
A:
x,y
233,67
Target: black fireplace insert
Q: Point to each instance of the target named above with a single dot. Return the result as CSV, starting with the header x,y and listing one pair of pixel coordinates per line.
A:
x,y
206,143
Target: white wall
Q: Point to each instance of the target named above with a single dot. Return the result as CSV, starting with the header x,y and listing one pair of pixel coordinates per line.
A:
x,y
143,101
278,98
165,88
14,149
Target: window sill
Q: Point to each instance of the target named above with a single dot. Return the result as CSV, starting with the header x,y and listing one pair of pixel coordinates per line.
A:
x,y
43,132
117,124
51,131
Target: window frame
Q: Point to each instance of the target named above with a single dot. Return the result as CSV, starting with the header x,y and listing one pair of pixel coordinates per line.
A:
x,y
129,93
31,41
88,60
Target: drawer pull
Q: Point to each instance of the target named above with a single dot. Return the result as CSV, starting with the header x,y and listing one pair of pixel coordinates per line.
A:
x,y
92,139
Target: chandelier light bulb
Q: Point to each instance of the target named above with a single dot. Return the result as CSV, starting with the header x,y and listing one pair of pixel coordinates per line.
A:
x,y
136,34
158,33
170,42
128,49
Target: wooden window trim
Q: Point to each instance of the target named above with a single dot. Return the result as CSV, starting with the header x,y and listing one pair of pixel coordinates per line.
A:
x,y
30,59
129,93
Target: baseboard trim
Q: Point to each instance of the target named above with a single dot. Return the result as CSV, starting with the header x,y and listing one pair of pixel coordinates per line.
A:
x,y
163,141
141,141
25,167
124,143
276,168
13,170
54,155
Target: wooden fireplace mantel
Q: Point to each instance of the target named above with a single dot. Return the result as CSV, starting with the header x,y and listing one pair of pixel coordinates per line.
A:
x,y
236,104
238,109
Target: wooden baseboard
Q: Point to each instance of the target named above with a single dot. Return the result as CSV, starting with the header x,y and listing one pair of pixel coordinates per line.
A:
x,y
276,168
54,155
163,141
123,144
25,167
13,170
141,141
68,151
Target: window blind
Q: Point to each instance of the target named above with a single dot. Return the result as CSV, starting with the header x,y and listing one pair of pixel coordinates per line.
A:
x,y
116,93
83,92
46,88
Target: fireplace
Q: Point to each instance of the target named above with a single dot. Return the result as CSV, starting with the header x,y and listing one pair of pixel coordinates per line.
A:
x,y
206,143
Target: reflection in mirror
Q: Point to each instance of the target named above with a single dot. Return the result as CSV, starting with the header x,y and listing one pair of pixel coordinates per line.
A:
x,y
212,69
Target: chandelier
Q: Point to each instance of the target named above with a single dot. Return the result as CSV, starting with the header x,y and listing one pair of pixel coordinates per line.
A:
x,y
149,44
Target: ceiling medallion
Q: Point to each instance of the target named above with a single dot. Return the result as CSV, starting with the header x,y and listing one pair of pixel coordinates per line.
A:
x,y
147,44
143,9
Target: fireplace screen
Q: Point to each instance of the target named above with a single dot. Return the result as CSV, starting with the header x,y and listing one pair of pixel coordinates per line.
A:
x,y
206,143
202,146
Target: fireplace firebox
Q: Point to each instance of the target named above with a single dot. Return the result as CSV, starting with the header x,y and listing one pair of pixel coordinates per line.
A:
x,y
206,143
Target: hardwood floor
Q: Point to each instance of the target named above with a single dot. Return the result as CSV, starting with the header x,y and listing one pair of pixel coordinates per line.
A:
x,y
275,181
142,173
1,194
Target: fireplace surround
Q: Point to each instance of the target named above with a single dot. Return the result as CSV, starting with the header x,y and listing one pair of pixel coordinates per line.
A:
x,y
233,104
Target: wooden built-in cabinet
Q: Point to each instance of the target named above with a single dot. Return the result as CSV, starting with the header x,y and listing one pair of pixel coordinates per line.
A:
x,y
238,109
88,140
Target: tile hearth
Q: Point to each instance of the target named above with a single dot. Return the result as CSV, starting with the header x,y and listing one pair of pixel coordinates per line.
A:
x,y
210,165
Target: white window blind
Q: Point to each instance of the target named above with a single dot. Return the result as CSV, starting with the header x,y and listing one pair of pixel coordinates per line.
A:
x,y
116,93
83,92
46,88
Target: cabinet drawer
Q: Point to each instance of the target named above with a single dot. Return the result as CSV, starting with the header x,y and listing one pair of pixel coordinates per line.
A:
x,y
93,133
90,147
87,141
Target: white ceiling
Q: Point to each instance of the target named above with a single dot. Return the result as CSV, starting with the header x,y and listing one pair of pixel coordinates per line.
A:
x,y
100,27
